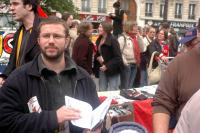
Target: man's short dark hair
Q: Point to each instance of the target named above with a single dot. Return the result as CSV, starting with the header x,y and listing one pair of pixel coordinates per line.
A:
x,y
107,27
34,4
53,20
116,4
84,27
165,25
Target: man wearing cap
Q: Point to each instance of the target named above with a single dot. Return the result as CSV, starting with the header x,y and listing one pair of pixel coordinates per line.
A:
x,y
190,35
179,82
25,46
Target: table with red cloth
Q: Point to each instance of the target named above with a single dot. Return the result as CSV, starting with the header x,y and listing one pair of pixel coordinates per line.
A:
x,y
142,113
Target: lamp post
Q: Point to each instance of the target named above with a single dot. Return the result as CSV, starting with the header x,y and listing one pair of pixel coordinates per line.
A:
x,y
165,11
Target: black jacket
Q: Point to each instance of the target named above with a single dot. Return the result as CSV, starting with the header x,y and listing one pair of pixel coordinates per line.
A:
x,y
110,51
26,82
32,48
118,22
154,46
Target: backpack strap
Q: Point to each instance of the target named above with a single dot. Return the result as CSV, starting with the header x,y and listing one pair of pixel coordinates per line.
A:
x,y
125,43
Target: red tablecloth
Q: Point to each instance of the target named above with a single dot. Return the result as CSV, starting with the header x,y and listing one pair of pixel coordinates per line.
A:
x,y
143,113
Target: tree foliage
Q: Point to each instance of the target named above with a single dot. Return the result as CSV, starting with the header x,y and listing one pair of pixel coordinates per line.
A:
x,y
56,5
60,6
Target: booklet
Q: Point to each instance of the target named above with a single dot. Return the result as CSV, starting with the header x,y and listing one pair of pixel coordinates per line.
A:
x,y
90,119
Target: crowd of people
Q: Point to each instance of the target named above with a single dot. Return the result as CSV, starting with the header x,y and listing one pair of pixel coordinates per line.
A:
x,y
122,62
54,57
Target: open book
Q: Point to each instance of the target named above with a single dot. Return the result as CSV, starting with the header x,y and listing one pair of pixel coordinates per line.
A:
x,y
90,119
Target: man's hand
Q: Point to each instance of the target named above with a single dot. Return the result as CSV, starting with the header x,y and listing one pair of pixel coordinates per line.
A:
x,y
100,60
66,113
103,68
165,59
2,80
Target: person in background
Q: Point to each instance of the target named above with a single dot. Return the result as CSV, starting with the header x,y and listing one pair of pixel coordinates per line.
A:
x,y
160,45
73,31
68,18
25,46
33,97
83,47
127,46
192,43
173,42
108,59
138,47
178,83
117,18
150,35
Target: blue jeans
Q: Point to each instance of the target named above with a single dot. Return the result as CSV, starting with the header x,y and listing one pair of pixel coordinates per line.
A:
x,y
108,83
143,77
124,78
127,76
132,74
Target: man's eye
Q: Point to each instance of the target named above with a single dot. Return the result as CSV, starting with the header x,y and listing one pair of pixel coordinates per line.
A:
x,y
46,36
57,36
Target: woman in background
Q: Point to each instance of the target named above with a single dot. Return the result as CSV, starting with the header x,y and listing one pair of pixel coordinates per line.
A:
x,y
108,59
83,47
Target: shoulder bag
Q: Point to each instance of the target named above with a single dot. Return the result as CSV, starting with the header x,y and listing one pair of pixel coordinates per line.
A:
x,y
154,75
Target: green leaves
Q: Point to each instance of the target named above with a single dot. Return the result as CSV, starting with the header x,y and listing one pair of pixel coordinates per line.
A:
x,y
59,5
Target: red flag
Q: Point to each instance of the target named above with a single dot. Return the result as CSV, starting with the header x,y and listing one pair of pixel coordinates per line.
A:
x,y
41,12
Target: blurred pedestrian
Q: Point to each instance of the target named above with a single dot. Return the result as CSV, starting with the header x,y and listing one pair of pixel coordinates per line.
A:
x,y
25,46
128,49
117,18
68,18
83,47
150,35
108,59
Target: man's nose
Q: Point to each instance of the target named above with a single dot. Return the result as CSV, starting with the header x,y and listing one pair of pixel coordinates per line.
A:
x,y
51,38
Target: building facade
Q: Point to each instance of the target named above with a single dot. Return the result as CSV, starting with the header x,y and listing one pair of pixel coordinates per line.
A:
x,y
94,11
180,14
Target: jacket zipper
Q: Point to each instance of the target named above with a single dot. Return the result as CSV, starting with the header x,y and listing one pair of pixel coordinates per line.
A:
x,y
59,83
45,89
75,88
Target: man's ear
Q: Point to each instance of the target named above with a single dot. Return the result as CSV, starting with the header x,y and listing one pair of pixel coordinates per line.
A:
x,y
29,7
38,40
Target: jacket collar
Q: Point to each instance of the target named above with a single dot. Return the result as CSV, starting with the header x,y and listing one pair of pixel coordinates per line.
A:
x,y
32,38
33,69
108,40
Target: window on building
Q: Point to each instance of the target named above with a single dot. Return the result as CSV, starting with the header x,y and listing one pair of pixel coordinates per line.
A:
x,y
102,6
85,5
191,14
162,7
148,10
178,10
